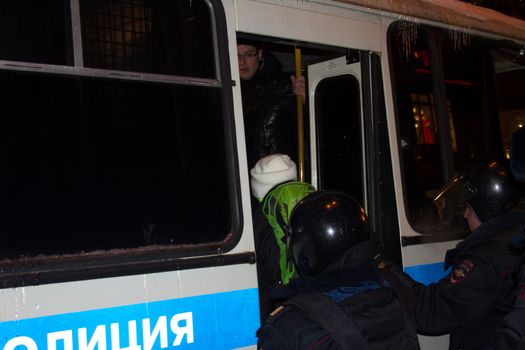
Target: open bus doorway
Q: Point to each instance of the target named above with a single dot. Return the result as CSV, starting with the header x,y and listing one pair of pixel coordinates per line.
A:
x,y
282,53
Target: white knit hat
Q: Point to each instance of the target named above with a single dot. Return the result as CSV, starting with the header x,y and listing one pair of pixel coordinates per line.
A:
x,y
270,171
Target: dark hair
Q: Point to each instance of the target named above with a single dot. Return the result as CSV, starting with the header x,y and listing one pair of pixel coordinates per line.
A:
x,y
250,42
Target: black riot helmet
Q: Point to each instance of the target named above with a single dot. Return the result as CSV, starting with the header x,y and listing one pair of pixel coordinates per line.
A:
x,y
489,188
322,227
517,154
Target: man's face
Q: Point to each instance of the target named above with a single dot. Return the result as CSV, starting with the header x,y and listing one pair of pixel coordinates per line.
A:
x,y
249,60
473,221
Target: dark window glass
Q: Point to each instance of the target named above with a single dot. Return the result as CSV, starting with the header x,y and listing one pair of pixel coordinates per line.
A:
x,y
339,135
165,37
509,70
98,164
35,31
474,123
469,83
419,138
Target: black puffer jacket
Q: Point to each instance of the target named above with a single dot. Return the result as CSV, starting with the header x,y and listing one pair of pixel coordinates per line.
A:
x,y
269,109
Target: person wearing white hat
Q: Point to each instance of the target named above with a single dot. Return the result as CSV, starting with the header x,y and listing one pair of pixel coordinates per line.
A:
x,y
273,183
271,171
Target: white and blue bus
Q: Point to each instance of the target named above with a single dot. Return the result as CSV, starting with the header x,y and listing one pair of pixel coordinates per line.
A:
x,y
125,218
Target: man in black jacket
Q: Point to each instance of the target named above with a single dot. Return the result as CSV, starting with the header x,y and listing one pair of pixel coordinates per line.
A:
x,y
472,301
269,103
346,297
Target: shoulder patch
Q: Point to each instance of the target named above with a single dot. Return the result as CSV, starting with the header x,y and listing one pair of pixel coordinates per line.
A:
x,y
276,311
461,271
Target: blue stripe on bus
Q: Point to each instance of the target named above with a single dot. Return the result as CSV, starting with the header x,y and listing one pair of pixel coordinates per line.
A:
x,y
427,274
226,320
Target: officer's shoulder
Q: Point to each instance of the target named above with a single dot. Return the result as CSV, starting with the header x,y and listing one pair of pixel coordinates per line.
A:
x,y
278,313
284,315
386,265
271,334
276,324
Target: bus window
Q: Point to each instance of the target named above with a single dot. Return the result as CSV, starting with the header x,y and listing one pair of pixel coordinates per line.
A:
x,y
469,84
338,118
35,31
509,70
172,37
453,108
419,137
94,160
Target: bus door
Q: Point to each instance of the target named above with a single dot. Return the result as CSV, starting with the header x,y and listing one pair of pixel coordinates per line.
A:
x,y
336,141
349,141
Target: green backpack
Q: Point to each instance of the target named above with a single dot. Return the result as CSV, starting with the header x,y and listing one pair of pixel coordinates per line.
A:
x,y
277,206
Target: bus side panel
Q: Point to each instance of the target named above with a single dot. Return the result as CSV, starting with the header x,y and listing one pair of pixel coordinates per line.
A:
x,y
153,311
424,262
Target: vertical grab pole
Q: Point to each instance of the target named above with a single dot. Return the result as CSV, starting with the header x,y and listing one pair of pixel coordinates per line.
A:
x,y
300,119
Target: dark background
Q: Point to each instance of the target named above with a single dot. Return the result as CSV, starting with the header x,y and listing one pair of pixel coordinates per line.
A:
x,y
514,8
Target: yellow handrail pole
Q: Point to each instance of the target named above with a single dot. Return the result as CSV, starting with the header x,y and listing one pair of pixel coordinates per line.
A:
x,y
300,119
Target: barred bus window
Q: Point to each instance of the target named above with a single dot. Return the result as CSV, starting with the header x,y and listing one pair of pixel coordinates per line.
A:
x,y
35,31
164,37
93,162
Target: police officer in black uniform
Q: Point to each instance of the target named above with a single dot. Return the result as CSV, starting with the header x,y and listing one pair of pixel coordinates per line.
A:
x,y
346,297
473,299
512,335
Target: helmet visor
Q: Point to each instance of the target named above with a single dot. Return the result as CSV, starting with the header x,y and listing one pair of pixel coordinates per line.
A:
x,y
450,200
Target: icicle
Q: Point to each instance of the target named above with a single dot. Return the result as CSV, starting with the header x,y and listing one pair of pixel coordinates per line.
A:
x,y
407,33
460,37
300,3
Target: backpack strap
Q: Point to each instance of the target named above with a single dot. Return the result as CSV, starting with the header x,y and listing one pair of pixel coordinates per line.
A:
x,y
332,318
403,290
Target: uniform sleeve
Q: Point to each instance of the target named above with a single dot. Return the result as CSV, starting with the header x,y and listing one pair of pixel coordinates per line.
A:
x,y
272,335
271,338
457,299
512,334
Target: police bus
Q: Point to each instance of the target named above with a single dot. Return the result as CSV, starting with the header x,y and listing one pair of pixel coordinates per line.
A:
x,y
125,210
